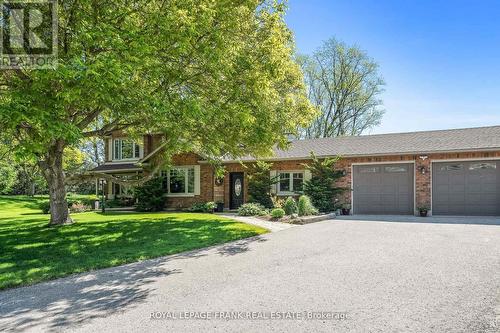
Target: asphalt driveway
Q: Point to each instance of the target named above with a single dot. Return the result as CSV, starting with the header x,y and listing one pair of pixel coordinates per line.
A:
x,y
357,276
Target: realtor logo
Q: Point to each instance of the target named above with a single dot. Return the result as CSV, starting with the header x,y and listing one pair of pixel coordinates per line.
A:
x,y
28,34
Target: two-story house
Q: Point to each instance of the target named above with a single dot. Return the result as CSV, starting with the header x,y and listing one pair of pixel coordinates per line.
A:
x,y
452,172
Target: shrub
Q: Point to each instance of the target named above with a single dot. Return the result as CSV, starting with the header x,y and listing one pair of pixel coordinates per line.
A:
x,y
260,183
203,207
75,206
44,206
306,207
277,201
251,209
79,207
290,206
321,187
277,213
150,196
87,200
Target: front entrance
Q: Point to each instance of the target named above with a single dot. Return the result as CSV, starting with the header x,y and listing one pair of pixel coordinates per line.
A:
x,y
237,189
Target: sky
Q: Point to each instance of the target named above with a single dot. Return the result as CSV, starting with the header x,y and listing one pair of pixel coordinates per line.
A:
x,y
440,59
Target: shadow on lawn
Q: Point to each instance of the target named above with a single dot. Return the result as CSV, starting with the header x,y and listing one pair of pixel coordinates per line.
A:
x,y
77,299
82,246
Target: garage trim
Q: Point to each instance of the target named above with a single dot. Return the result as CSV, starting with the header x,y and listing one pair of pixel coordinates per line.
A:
x,y
453,160
381,163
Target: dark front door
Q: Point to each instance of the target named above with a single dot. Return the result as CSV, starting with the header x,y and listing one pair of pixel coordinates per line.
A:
x,y
237,198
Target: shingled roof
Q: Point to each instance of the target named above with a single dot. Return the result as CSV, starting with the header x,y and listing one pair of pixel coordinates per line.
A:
x,y
116,167
454,140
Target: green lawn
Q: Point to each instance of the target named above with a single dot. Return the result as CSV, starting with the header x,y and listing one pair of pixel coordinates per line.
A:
x,y
31,252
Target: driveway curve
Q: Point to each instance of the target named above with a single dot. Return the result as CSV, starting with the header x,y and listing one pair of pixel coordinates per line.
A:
x,y
369,275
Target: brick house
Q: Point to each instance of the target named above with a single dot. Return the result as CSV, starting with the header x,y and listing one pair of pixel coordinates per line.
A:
x,y
452,172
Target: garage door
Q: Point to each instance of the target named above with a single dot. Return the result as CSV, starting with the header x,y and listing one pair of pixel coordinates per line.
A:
x,y
466,188
383,189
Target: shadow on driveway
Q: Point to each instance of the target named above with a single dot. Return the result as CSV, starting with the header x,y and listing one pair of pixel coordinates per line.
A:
x,y
77,299
480,220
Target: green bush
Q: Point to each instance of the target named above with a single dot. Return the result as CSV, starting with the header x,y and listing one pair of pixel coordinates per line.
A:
x,y
86,200
151,196
75,206
44,206
306,207
203,207
321,188
277,213
260,183
290,206
251,209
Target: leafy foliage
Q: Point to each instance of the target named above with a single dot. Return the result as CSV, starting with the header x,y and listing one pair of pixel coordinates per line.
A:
x,y
203,207
252,209
8,177
260,183
306,207
321,187
151,196
218,77
44,206
344,83
277,213
290,206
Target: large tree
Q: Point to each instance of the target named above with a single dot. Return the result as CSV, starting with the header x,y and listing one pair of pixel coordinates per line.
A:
x,y
344,83
216,77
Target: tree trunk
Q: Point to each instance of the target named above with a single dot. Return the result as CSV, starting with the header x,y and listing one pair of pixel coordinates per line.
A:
x,y
52,168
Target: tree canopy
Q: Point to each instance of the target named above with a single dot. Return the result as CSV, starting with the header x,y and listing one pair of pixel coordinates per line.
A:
x,y
344,83
216,77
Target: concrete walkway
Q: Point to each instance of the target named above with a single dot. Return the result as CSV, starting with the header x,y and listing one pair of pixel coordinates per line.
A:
x,y
269,225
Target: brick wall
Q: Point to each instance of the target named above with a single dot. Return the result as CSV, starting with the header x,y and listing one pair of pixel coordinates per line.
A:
x,y
206,182
212,192
422,179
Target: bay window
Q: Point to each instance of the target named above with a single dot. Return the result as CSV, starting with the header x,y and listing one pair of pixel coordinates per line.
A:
x,y
181,181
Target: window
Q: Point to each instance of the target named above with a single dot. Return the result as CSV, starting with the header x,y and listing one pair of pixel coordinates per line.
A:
x,y
374,169
291,182
395,169
179,181
482,166
452,167
126,150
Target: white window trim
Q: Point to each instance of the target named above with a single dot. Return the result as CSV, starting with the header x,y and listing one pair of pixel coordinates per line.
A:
x,y
290,172
113,145
186,194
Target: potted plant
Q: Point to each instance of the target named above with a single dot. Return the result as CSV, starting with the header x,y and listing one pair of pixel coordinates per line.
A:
x,y
346,209
423,211
220,206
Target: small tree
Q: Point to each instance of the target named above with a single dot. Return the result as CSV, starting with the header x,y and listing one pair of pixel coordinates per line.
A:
x,y
150,195
260,183
290,206
321,188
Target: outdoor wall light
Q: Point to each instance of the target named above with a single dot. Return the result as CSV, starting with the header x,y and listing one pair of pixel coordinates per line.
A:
x,y
423,170
344,173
